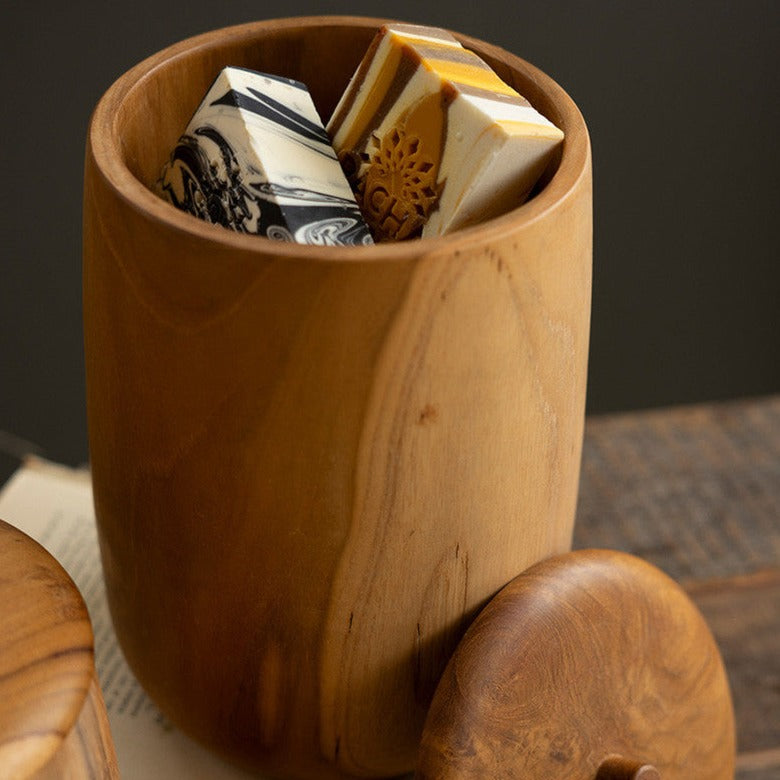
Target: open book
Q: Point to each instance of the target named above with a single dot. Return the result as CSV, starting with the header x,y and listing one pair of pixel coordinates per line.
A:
x,y
53,505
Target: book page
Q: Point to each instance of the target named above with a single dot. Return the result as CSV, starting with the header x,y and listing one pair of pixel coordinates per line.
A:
x,y
53,505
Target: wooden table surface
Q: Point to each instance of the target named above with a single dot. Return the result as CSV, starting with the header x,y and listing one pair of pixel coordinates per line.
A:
x,y
696,491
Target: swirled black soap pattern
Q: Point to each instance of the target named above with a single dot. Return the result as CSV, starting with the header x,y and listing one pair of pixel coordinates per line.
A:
x,y
255,158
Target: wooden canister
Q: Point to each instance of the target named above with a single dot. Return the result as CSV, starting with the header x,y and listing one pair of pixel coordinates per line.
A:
x,y
313,465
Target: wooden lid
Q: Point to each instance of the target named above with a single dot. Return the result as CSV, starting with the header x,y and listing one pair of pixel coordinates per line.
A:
x,y
46,654
592,665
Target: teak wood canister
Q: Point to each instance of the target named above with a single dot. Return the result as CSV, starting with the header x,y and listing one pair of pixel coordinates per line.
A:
x,y
313,465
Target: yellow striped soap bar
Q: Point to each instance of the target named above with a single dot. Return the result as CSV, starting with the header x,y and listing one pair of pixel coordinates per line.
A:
x,y
431,139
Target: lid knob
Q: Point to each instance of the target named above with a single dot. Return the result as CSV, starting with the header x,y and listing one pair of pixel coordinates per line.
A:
x,y
619,768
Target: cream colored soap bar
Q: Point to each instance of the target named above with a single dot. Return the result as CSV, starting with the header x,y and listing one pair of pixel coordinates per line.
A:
x,y
432,139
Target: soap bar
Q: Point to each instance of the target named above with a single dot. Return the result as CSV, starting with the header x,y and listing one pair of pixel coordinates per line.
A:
x,y
255,158
432,139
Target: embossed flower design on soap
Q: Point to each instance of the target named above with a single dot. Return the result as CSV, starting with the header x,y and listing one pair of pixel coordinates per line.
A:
x,y
399,189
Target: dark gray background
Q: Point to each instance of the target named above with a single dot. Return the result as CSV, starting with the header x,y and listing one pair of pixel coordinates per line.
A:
x,y
681,99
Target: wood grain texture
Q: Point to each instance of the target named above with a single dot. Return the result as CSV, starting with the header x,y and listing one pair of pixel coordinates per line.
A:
x,y
87,751
52,717
313,465
582,659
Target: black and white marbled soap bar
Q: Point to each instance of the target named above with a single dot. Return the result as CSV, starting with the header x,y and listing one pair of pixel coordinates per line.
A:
x,y
256,158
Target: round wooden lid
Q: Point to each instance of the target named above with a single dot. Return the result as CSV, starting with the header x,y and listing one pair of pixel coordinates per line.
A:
x,y
592,665
46,654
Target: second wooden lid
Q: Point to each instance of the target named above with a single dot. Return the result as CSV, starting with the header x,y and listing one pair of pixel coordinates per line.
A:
x,y
592,665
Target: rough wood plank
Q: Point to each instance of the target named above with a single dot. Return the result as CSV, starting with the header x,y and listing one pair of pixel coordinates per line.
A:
x,y
696,490
763,765
744,616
